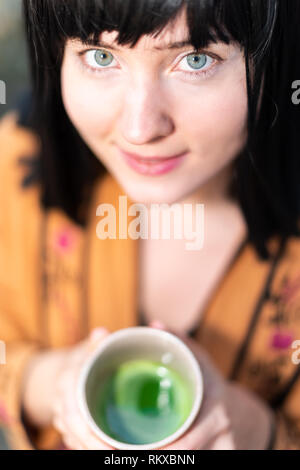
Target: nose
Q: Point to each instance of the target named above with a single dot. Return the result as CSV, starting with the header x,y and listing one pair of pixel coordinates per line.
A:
x,y
145,117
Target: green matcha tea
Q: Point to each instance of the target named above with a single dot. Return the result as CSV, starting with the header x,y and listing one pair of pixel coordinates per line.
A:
x,y
141,402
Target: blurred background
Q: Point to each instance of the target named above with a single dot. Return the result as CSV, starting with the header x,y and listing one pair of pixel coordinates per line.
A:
x,y
13,53
13,70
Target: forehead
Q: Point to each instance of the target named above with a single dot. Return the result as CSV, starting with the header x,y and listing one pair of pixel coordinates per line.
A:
x,y
174,33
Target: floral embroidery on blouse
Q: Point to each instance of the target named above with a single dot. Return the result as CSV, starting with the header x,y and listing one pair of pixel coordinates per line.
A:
x,y
65,240
281,339
290,289
287,307
60,274
285,302
268,372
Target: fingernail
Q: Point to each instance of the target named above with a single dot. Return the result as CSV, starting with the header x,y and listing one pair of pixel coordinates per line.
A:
x,y
158,324
97,333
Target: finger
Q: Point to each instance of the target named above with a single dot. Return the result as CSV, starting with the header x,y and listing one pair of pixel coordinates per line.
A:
x,y
95,338
98,333
85,349
203,431
158,324
71,443
84,436
90,345
224,441
76,424
58,424
61,414
87,345
74,431
67,416
63,384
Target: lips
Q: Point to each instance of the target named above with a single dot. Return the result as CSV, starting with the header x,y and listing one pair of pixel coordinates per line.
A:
x,y
150,159
152,165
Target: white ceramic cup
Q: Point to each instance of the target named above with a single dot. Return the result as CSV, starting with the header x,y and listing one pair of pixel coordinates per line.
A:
x,y
139,342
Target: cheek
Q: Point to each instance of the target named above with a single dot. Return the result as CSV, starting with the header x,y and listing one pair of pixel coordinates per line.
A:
x,y
91,110
217,117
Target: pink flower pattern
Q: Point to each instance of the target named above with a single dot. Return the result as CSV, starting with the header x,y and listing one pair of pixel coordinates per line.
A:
x,y
64,240
290,290
281,339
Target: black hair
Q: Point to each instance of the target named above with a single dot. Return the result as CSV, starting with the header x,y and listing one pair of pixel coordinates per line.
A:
x,y
266,172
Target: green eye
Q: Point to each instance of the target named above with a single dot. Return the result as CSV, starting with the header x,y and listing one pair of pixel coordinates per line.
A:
x,y
103,58
197,61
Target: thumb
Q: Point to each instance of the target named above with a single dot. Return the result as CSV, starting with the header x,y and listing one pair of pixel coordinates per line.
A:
x,y
157,324
95,337
97,333
162,326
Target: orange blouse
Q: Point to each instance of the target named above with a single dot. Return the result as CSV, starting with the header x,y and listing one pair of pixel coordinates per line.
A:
x,y
58,281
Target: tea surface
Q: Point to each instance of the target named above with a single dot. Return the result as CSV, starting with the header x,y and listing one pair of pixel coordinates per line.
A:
x,y
142,402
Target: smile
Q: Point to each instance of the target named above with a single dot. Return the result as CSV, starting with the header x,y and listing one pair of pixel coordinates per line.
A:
x,y
152,165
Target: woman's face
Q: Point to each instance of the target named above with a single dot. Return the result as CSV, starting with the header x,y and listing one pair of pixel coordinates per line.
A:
x,y
155,101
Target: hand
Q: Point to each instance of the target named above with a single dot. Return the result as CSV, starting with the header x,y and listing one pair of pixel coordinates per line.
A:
x,y
67,418
231,417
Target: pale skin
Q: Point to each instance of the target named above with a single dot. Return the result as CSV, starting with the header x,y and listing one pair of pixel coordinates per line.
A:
x,y
151,108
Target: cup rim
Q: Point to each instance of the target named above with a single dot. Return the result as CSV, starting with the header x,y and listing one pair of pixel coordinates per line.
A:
x,y
87,366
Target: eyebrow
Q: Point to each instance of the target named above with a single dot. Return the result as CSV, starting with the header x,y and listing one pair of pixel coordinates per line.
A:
x,y
172,45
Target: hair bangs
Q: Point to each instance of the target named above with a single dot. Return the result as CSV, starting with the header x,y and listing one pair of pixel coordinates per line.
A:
x,y
207,20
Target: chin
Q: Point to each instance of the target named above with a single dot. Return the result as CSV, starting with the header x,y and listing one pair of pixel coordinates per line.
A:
x,y
153,195
151,190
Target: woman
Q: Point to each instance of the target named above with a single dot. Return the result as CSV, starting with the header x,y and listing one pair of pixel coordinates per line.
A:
x,y
120,87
